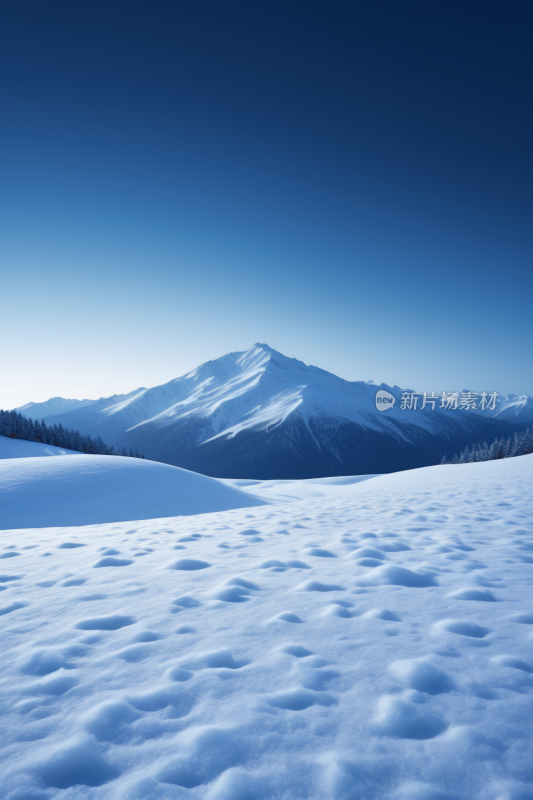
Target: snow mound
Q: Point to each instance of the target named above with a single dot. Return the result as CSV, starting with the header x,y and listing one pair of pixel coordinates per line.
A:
x,y
86,490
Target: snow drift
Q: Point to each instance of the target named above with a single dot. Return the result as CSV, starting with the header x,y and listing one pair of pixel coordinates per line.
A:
x,y
85,490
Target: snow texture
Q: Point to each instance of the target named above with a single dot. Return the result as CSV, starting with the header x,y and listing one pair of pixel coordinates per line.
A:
x,y
370,643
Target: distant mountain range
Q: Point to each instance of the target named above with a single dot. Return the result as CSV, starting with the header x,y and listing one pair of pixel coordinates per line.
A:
x,y
258,414
56,405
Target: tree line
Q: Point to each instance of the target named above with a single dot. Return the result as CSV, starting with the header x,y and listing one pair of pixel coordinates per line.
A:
x,y
520,444
15,426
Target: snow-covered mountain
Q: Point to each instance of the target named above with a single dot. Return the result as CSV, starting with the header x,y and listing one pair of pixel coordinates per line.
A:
x,y
258,414
56,405
517,408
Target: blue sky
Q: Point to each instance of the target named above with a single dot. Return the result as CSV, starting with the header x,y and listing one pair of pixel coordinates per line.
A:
x,y
347,182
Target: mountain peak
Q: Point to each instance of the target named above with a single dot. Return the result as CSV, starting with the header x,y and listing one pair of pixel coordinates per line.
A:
x,y
265,349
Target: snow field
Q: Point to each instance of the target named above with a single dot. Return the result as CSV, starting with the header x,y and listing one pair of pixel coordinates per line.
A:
x,y
373,644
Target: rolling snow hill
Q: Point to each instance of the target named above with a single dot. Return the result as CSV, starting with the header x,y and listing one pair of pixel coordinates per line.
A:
x,y
85,490
374,642
258,414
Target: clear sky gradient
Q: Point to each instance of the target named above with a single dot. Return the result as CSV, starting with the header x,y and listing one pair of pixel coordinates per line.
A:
x,y
349,182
